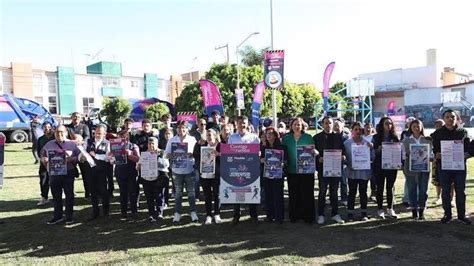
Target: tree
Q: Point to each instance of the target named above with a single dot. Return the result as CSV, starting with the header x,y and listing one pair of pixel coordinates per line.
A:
x,y
155,111
252,57
292,104
225,77
311,96
116,110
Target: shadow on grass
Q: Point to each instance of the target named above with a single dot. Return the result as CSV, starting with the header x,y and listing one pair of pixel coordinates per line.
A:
x,y
372,242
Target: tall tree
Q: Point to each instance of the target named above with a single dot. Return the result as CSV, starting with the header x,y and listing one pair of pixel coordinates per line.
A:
x,y
292,104
311,96
251,56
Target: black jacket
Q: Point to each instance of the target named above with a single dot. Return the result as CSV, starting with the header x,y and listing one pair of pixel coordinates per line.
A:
x,y
324,141
456,133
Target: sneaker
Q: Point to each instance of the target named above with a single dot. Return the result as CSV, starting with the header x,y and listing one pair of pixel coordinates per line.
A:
x,y
465,221
446,219
42,202
55,221
151,219
217,219
381,214
344,202
391,213
208,220
321,219
194,217
69,221
177,217
337,218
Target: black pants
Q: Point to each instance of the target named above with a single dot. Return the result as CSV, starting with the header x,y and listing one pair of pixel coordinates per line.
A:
x,y
252,211
85,178
382,176
59,184
44,181
324,183
154,193
127,181
210,187
353,185
98,181
110,179
373,181
301,197
274,202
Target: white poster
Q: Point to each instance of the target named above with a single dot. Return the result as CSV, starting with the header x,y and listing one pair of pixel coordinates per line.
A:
x,y
391,155
452,155
149,166
360,155
332,163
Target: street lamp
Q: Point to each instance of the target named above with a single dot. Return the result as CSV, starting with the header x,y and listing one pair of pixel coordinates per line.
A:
x,y
238,63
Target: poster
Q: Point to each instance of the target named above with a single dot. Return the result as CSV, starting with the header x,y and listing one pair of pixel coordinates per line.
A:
x,y
208,160
305,159
419,158
179,151
2,159
360,156
240,174
57,164
391,155
332,163
118,148
452,155
273,166
273,69
149,166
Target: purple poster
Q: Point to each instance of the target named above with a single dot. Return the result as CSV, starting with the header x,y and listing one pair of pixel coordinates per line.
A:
x,y
273,71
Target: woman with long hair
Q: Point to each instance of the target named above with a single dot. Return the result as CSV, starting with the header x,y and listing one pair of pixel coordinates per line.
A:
x,y
384,177
417,181
300,186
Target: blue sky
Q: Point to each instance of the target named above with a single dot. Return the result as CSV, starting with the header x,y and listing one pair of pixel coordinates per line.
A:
x,y
171,37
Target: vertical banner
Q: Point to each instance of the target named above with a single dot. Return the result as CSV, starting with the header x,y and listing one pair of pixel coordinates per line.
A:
x,y
190,117
257,101
239,97
2,158
273,69
211,97
326,80
240,174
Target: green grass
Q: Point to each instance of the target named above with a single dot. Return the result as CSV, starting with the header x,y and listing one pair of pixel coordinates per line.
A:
x,y
26,239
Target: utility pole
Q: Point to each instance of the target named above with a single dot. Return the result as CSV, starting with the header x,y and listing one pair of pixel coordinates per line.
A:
x,y
227,48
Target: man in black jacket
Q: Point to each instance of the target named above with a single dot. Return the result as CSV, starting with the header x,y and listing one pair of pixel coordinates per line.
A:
x,y
451,132
325,140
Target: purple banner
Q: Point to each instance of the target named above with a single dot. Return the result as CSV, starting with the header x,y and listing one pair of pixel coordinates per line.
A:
x,y
257,101
273,69
326,80
211,97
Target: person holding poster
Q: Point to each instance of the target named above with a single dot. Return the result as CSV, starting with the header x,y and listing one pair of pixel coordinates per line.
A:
x,y
300,186
126,175
62,183
327,140
385,133
183,175
155,179
272,155
358,158
99,149
244,136
43,172
451,134
417,152
210,180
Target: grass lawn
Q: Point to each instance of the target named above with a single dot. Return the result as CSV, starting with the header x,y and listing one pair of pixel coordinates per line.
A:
x,y
26,239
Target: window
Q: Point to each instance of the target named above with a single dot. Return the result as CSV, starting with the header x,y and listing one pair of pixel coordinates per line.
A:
x,y
37,84
134,84
87,104
52,104
111,82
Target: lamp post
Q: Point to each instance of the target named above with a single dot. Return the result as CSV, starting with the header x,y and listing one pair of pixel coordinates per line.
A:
x,y
274,103
238,63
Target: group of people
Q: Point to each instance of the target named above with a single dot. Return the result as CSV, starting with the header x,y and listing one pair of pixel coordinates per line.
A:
x,y
97,165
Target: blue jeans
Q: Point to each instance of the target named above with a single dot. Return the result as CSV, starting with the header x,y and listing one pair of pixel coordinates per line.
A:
x,y
179,181
60,183
447,177
417,190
